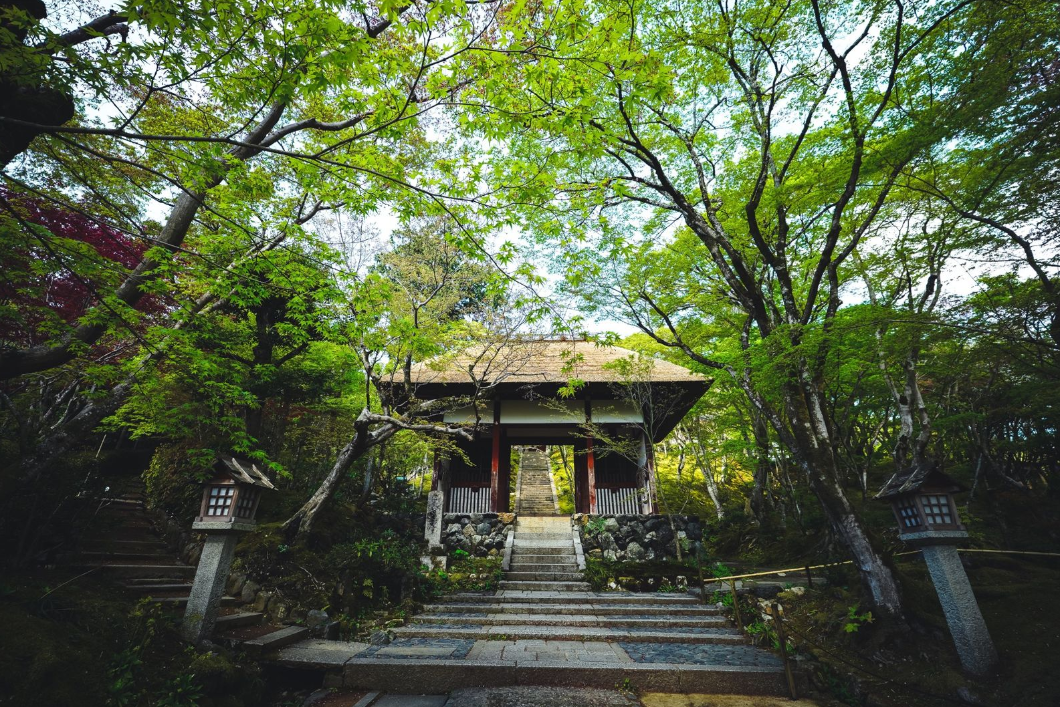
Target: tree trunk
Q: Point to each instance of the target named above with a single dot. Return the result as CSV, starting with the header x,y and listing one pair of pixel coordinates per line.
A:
x,y
809,439
760,502
298,526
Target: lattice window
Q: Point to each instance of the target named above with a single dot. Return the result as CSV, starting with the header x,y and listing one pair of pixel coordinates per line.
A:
x,y
908,515
937,509
245,504
220,500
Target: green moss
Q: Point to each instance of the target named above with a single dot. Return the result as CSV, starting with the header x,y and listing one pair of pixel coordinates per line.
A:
x,y
87,644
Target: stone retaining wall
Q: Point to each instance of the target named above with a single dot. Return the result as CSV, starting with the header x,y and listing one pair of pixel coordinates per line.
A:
x,y
479,534
637,538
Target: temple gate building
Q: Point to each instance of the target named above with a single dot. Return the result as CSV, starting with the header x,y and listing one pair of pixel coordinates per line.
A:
x,y
519,393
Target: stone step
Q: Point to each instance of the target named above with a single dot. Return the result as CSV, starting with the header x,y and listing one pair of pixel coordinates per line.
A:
x,y
618,621
459,630
533,585
559,609
118,545
542,551
275,640
144,571
238,620
120,557
153,586
517,576
435,675
181,601
523,566
566,559
574,598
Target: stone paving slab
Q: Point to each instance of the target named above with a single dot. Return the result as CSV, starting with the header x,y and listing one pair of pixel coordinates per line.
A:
x,y
737,656
548,608
411,701
689,635
620,621
318,654
412,665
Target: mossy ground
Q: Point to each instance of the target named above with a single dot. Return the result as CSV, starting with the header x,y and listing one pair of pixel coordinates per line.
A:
x,y
86,643
915,663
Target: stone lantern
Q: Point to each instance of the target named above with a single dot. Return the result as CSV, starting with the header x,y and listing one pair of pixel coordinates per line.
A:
x,y
927,518
229,503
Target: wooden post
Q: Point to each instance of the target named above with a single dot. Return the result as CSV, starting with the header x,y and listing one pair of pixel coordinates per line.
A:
x,y
495,460
736,604
782,639
699,569
590,465
809,578
649,476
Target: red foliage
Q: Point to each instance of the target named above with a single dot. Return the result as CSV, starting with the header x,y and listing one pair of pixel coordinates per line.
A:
x,y
56,292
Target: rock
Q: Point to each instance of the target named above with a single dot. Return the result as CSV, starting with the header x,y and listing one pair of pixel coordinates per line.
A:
x,y
651,538
315,618
666,536
607,543
610,555
380,638
637,532
611,525
331,631
766,591
484,528
280,609
469,531
236,580
654,523
261,602
452,529
694,530
970,697
596,553
493,552
249,591
635,552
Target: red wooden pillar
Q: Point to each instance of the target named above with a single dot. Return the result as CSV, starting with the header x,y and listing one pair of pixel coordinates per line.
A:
x,y
581,484
590,464
653,493
495,459
590,460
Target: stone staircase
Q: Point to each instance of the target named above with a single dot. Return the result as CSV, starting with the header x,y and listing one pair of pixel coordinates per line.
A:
x,y
544,626
536,497
543,556
123,542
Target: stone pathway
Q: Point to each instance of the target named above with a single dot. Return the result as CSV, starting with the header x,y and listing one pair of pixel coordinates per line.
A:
x,y
536,492
545,627
693,650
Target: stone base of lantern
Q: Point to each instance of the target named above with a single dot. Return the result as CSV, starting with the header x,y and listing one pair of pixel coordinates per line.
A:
x,y
965,621
200,615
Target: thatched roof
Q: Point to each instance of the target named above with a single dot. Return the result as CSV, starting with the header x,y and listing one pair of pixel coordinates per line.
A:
x,y
549,361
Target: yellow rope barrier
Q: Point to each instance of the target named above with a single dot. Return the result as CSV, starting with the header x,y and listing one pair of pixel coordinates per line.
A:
x,y
849,562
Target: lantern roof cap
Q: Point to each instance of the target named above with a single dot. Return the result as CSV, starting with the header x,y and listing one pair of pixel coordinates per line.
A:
x,y
925,475
243,470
